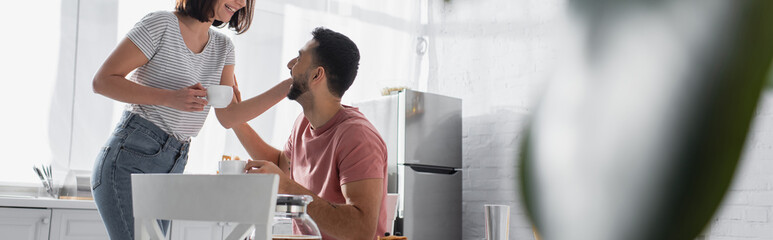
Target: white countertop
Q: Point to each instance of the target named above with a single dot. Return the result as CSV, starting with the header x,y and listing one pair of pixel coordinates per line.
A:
x,y
31,202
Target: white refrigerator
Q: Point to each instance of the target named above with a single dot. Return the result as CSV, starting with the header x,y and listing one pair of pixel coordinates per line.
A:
x,y
423,133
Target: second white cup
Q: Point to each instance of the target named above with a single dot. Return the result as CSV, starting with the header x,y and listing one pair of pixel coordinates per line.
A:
x,y
219,96
231,167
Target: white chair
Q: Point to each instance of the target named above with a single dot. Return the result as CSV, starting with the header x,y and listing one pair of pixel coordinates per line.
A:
x,y
247,199
391,205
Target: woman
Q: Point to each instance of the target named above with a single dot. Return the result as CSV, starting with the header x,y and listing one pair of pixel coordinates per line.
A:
x,y
175,56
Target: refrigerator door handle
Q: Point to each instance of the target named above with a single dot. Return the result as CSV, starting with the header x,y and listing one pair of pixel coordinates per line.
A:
x,y
431,169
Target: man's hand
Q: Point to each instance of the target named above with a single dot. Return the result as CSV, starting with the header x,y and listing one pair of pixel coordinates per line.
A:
x,y
237,93
261,166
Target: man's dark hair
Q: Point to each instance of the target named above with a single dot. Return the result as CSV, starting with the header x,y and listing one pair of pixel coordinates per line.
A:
x,y
339,56
202,10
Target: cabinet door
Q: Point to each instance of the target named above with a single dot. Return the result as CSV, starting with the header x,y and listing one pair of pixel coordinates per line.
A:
x,y
195,230
24,223
69,224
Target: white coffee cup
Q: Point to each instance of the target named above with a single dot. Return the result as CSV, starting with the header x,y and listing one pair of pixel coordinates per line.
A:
x,y
231,167
219,96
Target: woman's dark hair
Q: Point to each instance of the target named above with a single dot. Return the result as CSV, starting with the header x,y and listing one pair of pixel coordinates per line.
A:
x,y
202,10
339,56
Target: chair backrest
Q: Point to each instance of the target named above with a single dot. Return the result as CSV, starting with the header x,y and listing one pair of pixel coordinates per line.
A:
x,y
243,198
391,204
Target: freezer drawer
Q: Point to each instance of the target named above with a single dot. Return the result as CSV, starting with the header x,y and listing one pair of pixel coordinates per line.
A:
x,y
432,205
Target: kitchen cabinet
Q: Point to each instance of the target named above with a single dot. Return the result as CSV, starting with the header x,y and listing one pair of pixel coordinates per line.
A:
x,y
24,223
71,224
47,218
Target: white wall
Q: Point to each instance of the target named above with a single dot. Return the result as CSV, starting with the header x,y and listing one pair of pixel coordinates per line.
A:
x,y
495,55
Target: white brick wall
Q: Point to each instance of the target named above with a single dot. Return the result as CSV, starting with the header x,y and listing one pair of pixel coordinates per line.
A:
x,y
495,55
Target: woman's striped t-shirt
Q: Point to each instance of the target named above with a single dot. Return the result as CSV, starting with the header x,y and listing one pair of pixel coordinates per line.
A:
x,y
171,65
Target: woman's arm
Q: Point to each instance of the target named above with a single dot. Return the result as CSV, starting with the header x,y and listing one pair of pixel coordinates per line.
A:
x,y
239,112
110,81
254,144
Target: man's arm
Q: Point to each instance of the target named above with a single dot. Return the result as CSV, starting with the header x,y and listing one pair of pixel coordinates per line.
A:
x,y
253,143
356,219
259,149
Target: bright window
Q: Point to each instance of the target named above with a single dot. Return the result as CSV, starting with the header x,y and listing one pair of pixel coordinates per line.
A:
x,y
37,68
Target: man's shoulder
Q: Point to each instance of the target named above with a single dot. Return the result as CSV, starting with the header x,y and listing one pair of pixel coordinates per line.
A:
x,y
357,131
355,121
300,121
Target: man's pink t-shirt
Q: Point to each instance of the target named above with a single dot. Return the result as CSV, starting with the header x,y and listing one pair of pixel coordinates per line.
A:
x,y
345,149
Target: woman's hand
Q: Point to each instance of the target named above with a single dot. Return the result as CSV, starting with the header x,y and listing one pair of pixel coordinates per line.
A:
x,y
188,99
287,84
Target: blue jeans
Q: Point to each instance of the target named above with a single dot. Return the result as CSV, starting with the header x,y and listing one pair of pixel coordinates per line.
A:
x,y
136,146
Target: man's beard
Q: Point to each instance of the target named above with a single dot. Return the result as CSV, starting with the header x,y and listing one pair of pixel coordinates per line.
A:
x,y
295,92
297,88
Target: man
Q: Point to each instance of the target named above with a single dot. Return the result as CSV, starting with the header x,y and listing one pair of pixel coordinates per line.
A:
x,y
334,154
